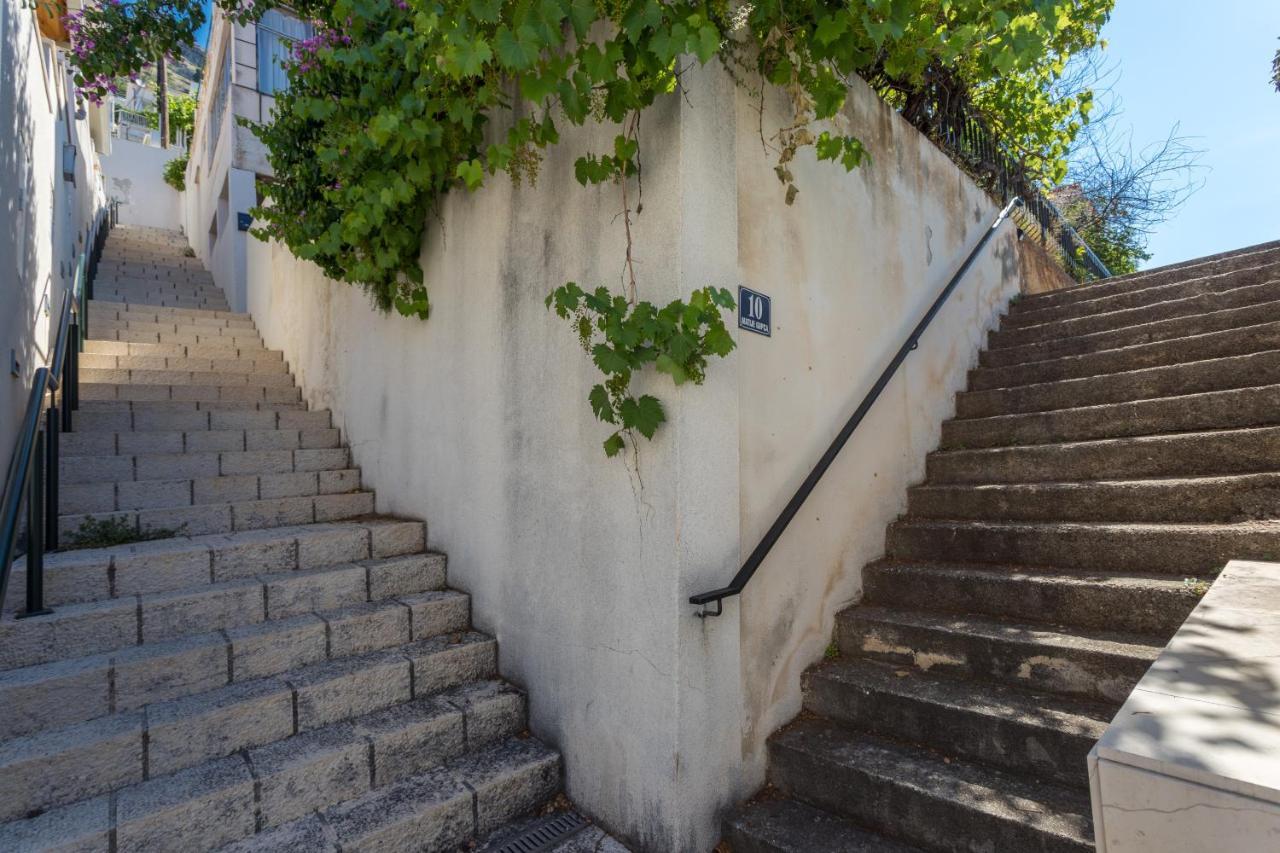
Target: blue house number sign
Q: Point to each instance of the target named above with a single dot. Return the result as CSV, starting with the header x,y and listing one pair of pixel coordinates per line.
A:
x,y
754,312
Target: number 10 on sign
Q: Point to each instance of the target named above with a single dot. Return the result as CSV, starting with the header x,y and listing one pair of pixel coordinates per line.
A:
x,y
754,312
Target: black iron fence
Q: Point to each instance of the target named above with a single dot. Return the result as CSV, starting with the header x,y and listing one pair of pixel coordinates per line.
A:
x,y
951,123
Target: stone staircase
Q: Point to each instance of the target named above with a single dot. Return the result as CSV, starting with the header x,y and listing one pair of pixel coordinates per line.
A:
x,y
290,673
1116,440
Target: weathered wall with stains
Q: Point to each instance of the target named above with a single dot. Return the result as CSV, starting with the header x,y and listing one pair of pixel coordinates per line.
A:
x,y
851,266
1039,271
477,421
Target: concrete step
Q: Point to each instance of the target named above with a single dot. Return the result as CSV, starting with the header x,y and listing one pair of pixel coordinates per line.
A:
x,y
1264,267
1230,498
1197,550
221,378
451,808
249,365
1210,410
291,768
118,623
187,418
227,517
124,310
112,329
190,336
1242,296
1253,369
51,696
1206,319
91,391
1152,605
910,794
777,825
1249,256
1216,452
169,466
156,407
186,563
1045,737
1085,665
217,350
1250,339
106,497
103,443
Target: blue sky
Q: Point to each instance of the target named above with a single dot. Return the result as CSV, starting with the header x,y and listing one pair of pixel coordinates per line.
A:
x,y
1206,65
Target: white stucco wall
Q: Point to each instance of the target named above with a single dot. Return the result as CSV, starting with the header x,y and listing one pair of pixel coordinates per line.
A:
x,y
133,174
477,422
47,218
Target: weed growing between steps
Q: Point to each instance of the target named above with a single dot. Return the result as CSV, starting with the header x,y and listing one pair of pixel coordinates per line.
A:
x,y
106,532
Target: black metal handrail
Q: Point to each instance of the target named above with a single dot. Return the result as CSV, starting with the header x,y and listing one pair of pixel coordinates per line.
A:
x,y
753,562
32,477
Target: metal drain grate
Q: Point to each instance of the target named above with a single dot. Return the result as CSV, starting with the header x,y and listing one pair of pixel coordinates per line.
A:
x,y
545,834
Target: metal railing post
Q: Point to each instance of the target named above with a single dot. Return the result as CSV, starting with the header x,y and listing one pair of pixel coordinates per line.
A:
x,y
53,429
35,534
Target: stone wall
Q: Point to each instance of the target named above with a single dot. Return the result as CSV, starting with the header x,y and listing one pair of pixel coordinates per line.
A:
x,y
477,421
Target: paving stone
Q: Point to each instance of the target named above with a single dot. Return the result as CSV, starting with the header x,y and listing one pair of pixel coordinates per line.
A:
x,y
406,575
442,662
72,631
494,710
509,780
289,485
83,827
185,732
214,490
367,628
308,772
392,538
158,671
411,738
278,646
337,482
323,545
336,507
308,834
153,493
201,808
320,589
431,811
435,613
53,695
214,608
277,512
347,687
253,553
59,767
149,567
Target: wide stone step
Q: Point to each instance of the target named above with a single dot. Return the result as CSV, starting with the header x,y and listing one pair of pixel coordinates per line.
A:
x,y
787,826
205,366
1160,330
170,466
183,564
1152,605
50,696
1247,295
451,808
186,418
1217,452
1229,498
127,311
914,795
1198,550
283,769
1043,736
91,391
190,335
1210,410
1086,665
1264,267
113,624
1251,339
226,517
217,350
102,443
1239,371
221,379
1248,256
116,329
105,497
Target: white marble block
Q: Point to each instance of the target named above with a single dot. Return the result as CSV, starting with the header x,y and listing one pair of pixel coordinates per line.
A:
x,y
1191,762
